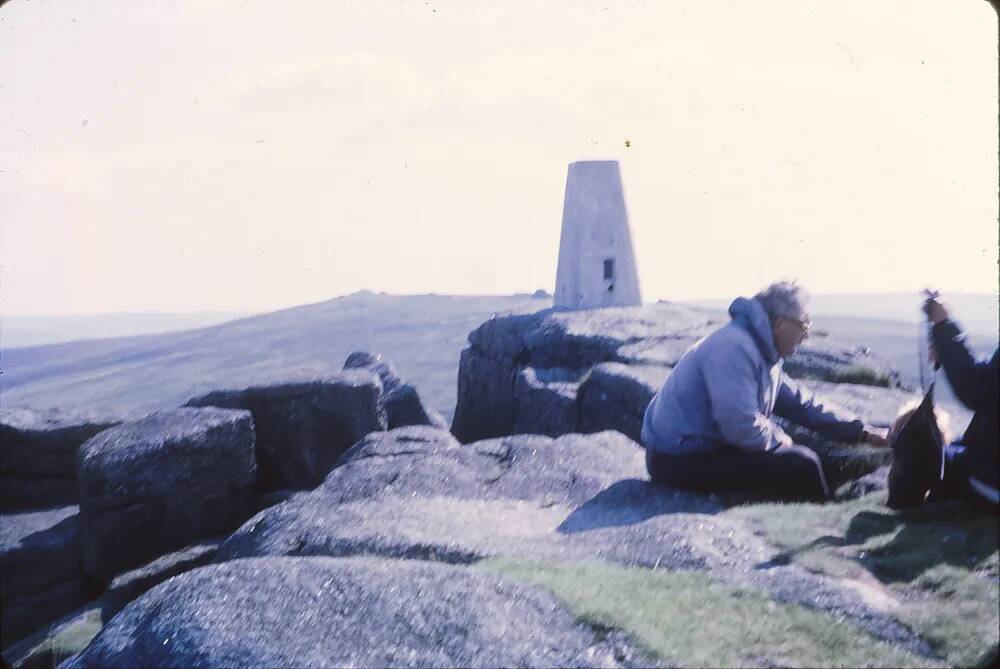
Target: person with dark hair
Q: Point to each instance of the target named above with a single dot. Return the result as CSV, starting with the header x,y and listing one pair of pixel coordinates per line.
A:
x,y
970,465
711,427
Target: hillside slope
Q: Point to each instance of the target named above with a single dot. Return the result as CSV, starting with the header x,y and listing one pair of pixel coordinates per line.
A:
x,y
422,335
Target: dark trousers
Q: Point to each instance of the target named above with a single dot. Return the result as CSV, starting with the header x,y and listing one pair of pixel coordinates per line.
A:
x,y
791,473
955,483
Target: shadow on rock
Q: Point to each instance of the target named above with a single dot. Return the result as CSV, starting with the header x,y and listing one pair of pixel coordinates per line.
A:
x,y
921,539
632,501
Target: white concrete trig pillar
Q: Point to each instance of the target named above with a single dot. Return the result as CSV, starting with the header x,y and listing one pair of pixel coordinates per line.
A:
x,y
596,261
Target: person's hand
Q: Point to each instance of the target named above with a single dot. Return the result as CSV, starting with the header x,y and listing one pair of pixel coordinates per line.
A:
x,y
876,436
935,310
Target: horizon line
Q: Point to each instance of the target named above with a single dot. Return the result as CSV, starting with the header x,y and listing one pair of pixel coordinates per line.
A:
x,y
525,295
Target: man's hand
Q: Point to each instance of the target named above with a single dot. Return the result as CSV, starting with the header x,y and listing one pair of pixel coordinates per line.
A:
x,y
875,436
935,310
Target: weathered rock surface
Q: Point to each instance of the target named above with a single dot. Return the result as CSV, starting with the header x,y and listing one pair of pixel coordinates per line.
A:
x,y
39,568
53,637
38,455
615,397
546,401
403,404
577,358
302,427
426,462
326,612
154,485
414,494
131,584
374,362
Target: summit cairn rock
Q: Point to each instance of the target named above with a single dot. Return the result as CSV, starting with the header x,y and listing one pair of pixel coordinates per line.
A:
x,y
151,486
303,426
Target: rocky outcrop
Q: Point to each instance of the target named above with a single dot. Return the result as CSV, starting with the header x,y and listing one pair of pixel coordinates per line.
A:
x,y
555,372
38,455
326,612
403,405
55,638
131,584
416,494
39,569
614,396
154,485
302,427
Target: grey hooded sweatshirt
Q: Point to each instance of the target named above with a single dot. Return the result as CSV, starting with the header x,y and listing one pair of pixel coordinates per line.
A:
x,y
725,389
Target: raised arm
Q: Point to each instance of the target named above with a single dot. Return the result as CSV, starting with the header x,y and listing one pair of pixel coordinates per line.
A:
x,y
971,380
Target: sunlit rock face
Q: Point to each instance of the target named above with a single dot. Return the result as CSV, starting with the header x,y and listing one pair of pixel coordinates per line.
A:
x,y
596,261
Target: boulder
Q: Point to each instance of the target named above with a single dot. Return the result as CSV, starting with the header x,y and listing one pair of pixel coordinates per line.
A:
x,y
497,396
374,362
403,407
546,401
414,496
661,351
421,461
361,612
302,427
615,396
402,402
154,485
487,371
417,493
38,455
55,640
39,569
19,493
132,584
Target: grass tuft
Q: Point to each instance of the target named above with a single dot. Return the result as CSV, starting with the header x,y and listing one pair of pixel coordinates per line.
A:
x,y
938,562
687,619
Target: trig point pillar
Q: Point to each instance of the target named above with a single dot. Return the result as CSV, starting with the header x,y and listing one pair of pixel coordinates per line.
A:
x,y
596,260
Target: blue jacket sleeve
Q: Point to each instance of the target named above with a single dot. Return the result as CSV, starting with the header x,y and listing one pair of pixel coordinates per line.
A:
x,y
798,405
972,381
733,386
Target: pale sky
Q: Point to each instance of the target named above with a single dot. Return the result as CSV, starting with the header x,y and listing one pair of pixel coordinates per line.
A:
x,y
187,155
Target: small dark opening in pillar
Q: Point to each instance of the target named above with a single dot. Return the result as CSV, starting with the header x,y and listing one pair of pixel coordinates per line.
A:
x,y
609,268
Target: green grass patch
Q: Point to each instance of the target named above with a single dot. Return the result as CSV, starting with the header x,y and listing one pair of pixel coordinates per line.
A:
x,y
687,619
47,649
939,563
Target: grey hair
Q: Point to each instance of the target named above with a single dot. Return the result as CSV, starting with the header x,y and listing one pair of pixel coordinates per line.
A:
x,y
784,298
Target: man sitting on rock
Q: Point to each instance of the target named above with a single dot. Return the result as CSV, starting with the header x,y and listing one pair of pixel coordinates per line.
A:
x,y
710,428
